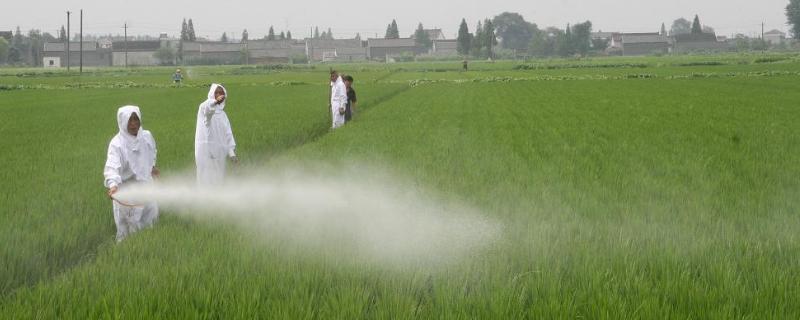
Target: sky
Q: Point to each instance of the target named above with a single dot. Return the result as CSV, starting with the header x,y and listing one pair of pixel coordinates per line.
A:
x,y
370,18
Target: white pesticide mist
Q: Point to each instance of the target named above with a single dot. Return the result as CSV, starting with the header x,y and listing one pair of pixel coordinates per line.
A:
x,y
378,220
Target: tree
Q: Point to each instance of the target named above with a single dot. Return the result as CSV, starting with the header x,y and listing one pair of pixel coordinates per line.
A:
x,y
245,36
421,38
4,48
288,35
565,43
663,29
271,33
166,55
392,32
512,29
282,36
358,36
464,38
599,44
224,37
793,17
489,37
184,31
35,47
680,26
545,43
709,29
62,34
477,40
582,37
330,34
190,31
316,32
697,28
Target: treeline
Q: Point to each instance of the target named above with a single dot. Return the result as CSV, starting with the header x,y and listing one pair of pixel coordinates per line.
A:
x,y
26,49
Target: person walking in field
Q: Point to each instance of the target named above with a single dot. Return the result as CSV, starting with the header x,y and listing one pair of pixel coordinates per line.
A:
x,y
177,77
214,143
338,99
350,109
131,159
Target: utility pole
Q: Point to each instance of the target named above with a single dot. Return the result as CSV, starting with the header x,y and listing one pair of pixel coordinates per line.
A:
x,y
126,44
68,36
81,45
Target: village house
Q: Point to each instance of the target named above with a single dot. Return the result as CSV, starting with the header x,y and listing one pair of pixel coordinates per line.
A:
x,y
335,50
386,49
54,55
445,48
273,51
691,42
213,52
640,44
775,37
135,53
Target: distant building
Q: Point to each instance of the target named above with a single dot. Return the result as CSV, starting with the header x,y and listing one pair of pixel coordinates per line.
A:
x,y
445,48
335,50
433,34
775,37
640,44
385,49
54,55
697,42
273,51
135,53
213,52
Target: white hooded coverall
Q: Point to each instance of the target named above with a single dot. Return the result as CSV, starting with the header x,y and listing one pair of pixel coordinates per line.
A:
x,y
213,140
338,100
130,160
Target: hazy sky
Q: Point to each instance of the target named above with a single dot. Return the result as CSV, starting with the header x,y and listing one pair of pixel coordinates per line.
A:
x,y
346,18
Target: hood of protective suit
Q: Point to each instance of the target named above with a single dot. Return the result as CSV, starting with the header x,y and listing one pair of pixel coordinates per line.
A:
x,y
123,116
214,86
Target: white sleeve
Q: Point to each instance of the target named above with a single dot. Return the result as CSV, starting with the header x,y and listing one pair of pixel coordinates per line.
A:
x,y
155,149
113,167
207,107
229,140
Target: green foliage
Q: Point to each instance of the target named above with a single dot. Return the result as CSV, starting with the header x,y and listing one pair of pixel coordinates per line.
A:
x,y
793,17
166,55
582,37
681,26
4,48
625,190
392,32
697,28
190,31
464,38
421,38
271,33
513,31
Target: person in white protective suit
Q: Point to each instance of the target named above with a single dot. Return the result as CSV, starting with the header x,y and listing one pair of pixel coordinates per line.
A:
x,y
131,160
338,99
213,140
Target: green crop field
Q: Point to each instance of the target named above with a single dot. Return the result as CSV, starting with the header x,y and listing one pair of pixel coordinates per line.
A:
x,y
661,187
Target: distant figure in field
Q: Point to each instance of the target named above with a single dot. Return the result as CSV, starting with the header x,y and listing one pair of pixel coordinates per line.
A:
x,y
131,159
466,65
177,77
213,140
350,109
338,99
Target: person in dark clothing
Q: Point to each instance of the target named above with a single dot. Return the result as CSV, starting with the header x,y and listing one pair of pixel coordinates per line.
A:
x,y
350,108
